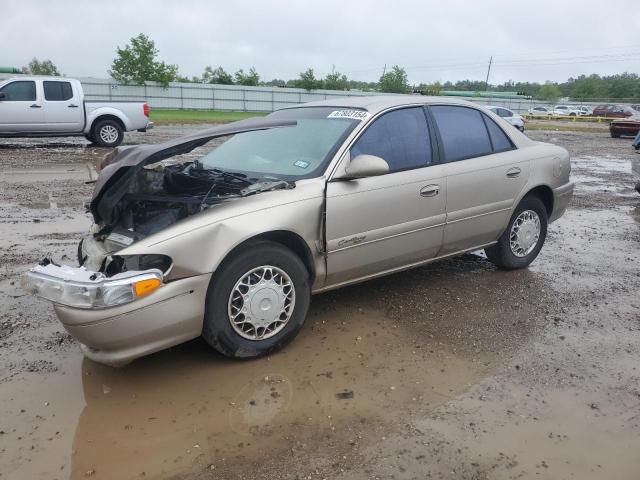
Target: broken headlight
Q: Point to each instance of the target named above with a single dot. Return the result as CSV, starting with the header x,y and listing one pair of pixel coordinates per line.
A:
x,y
80,288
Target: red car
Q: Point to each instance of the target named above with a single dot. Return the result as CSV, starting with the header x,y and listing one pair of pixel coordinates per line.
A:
x,y
628,126
612,111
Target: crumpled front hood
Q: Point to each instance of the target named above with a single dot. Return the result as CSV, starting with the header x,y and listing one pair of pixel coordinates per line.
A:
x,y
113,180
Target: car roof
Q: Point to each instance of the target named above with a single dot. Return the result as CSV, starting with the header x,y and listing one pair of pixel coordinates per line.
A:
x,y
36,77
378,103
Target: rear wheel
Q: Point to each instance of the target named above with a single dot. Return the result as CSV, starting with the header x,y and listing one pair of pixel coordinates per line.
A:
x,y
615,135
90,137
257,301
108,133
521,242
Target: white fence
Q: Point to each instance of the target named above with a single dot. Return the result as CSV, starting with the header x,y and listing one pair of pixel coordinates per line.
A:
x,y
199,96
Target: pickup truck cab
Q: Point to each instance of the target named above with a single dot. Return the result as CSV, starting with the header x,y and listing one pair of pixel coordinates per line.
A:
x,y
55,107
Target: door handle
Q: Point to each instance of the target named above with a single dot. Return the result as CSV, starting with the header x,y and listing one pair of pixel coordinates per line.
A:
x,y
430,191
73,106
36,106
513,172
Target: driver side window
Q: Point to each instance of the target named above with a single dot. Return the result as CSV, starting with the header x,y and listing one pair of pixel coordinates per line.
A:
x,y
21,91
401,137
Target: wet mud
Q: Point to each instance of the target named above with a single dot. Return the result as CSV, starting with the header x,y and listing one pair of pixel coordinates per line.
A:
x,y
453,370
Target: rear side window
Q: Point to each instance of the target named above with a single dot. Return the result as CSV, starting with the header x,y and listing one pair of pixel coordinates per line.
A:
x,y
499,139
463,132
57,91
400,137
504,112
22,91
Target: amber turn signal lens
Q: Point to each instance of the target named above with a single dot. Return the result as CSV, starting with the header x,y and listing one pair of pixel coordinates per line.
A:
x,y
145,287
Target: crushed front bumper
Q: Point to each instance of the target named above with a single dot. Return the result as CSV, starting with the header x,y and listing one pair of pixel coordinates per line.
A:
x,y
116,335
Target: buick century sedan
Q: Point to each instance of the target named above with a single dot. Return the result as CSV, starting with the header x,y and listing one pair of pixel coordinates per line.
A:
x,y
227,233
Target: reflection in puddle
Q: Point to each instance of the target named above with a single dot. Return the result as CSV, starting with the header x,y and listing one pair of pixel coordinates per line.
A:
x,y
189,408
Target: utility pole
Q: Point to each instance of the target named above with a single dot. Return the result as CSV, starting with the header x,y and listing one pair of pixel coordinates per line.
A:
x,y
384,69
486,82
333,68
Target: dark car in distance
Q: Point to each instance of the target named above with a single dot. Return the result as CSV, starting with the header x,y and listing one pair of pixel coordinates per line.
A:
x,y
612,111
624,127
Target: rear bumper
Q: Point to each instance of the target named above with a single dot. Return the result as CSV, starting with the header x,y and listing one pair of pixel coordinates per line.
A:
x,y
116,336
561,198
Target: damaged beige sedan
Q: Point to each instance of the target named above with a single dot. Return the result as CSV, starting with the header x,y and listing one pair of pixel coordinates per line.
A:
x,y
226,234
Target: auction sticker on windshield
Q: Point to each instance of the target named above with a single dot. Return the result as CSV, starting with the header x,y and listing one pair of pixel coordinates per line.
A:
x,y
352,114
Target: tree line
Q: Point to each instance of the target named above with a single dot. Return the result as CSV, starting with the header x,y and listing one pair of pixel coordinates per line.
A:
x,y
138,62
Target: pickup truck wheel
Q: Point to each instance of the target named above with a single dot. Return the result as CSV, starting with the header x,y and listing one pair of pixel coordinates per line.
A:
x,y
90,137
257,301
107,133
521,242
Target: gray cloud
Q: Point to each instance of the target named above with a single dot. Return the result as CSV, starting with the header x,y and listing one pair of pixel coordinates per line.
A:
x,y
530,40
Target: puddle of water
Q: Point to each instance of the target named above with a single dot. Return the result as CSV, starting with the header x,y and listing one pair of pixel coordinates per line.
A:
x,y
603,163
187,408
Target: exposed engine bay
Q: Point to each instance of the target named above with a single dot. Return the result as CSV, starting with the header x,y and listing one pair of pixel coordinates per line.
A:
x,y
144,189
162,195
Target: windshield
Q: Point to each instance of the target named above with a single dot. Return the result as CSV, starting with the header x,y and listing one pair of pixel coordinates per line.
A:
x,y
292,153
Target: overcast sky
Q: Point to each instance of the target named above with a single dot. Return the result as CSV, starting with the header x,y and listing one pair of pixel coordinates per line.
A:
x,y
433,40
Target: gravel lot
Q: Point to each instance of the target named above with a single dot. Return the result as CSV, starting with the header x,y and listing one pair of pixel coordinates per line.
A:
x,y
454,370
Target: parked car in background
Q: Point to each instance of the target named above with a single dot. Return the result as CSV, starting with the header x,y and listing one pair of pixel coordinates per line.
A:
x,y
635,165
540,111
55,107
585,110
613,111
228,240
566,111
510,116
624,127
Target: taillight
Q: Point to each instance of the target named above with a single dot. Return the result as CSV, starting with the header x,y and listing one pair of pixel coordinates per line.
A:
x,y
145,109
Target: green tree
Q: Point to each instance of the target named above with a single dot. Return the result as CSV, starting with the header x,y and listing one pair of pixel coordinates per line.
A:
x,y
137,63
249,79
336,81
587,87
44,67
394,81
308,81
218,75
549,92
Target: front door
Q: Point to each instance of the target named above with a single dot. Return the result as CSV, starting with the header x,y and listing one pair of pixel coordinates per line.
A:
x,y
485,174
377,224
20,108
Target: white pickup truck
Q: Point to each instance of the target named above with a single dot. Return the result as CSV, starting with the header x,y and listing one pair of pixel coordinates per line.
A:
x,y
55,107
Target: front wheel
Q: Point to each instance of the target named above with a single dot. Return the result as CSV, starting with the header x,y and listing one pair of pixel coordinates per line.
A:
x,y
108,133
521,242
257,301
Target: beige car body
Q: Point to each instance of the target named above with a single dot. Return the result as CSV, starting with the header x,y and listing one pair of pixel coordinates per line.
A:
x,y
347,231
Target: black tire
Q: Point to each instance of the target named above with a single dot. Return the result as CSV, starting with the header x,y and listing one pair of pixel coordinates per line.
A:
x,y
615,135
107,133
501,253
637,187
90,138
217,330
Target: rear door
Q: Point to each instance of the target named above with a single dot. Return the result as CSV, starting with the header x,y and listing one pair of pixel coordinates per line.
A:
x,y
376,224
21,107
485,174
62,108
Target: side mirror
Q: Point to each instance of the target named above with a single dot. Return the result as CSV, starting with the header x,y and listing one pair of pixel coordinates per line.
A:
x,y
3,96
365,166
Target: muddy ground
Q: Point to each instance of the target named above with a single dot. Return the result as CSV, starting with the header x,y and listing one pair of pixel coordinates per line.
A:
x,y
454,370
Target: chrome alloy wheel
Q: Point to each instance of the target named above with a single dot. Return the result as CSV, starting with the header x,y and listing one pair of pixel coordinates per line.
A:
x,y
109,134
525,233
261,303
